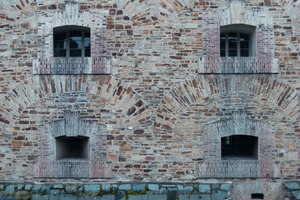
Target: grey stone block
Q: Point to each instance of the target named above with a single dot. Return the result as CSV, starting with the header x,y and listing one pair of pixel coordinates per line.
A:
x,y
184,197
138,187
125,187
10,198
55,194
157,196
204,189
220,195
225,186
137,197
92,188
10,189
71,189
28,187
153,187
40,197
58,186
23,195
106,187
36,188
108,197
296,194
292,185
20,186
46,189
67,197
200,197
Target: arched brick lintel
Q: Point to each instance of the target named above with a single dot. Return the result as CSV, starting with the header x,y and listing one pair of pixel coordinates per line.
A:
x,y
205,89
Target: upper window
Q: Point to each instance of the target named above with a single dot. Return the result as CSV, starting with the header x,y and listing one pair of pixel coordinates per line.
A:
x,y
71,41
237,41
239,147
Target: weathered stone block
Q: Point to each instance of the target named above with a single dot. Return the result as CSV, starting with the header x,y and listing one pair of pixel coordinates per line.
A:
x,y
92,188
204,189
10,189
67,197
108,197
138,187
157,196
125,187
292,185
137,197
153,187
40,197
55,194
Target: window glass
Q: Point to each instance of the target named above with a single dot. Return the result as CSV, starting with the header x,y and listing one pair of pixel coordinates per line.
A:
x,y
71,43
234,44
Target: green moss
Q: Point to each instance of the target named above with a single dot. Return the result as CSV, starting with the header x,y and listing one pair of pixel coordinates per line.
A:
x,y
132,192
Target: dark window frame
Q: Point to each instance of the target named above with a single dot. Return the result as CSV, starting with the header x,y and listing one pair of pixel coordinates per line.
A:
x,y
62,47
242,32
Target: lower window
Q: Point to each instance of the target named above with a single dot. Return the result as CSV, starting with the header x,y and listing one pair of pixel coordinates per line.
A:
x,y
72,147
239,147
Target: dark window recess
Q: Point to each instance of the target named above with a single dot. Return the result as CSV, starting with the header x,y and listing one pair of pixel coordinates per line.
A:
x,y
71,147
257,196
239,147
237,40
71,41
234,45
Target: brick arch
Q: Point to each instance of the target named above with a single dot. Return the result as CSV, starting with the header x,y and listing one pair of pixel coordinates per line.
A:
x,y
167,8
243,190
113,93
12,9
30,104
204,89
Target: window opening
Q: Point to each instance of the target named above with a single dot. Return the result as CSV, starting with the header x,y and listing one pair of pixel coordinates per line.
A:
x,y
257,196
239,147
71,147
237,41
71,41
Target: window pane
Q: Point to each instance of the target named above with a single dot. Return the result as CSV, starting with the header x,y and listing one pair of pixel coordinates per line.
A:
x,y
232,37
75,34
61,36
232,53
87,53
60,44
60,52
244,52
222,53
75,52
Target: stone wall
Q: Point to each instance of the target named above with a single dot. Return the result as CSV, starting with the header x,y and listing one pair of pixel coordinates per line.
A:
x,y
155,110
112,191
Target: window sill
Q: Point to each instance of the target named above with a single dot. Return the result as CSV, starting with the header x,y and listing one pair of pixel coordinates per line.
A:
x,y
237,65
73,169
72,65
237,169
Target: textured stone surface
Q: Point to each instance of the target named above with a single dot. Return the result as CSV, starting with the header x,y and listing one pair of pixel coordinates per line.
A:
x,y
151,116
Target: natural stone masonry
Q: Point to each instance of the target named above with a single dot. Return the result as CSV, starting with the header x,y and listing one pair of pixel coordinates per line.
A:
x,y
152,110
116,191
264,60
294,187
